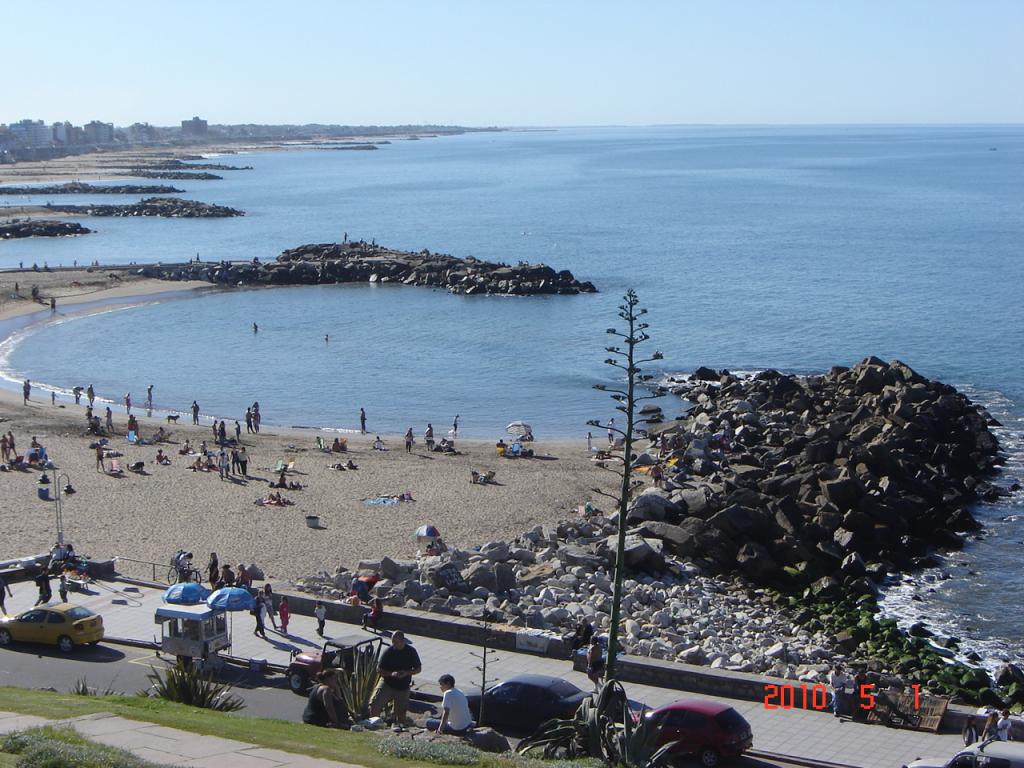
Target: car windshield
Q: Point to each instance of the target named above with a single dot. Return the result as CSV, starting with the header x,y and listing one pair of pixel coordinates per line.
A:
x,y
563,688
78,613
731,720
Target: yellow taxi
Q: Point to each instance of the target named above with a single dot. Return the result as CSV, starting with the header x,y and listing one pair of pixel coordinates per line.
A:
x,y
60,624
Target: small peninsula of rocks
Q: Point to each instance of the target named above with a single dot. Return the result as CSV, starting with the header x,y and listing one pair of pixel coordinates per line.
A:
x,y
181,165
12,230
143,173
362,262
170,207
81,188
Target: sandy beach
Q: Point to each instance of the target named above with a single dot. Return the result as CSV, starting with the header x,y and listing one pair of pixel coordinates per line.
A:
x,y
149,516
79,286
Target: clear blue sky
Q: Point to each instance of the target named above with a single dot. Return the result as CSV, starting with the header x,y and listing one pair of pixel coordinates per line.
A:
x,y
521,62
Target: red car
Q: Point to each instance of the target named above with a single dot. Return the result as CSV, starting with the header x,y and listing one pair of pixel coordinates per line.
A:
x,y
706,729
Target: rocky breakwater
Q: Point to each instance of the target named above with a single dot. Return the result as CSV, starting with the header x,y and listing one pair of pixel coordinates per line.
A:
x,y
170,207
143,173
828,482
40,228
80,188
361,262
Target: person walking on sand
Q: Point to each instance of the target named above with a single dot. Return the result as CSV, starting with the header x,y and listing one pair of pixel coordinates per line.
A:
x,y
222,464
362,421
195,412
408,440
222,432
234,461
90,393
428,436
238,432
256,418
110,420
213,569
26,391
321,617
243,463
611,431
285,613
5,452
248,421
99,459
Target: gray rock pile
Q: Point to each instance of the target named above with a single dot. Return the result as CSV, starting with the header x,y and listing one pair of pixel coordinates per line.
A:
x,y
81,188
169,207
40,228
551,577
822,481
362,262
143,173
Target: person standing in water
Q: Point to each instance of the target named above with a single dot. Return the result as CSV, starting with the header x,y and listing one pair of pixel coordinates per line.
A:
x,y
26,390
255,328
195,412
248,420
149,397
362,421
455,426
128,403
91,394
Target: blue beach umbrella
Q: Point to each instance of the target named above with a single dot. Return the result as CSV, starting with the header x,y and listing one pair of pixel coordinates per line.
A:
x,y
189,593
428,532
232,599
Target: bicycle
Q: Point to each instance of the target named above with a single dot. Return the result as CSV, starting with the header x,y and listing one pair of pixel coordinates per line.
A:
x,y
192,574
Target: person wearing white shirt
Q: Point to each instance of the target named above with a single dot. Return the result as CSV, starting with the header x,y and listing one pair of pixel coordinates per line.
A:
x,y
1003,726
455,718
840,682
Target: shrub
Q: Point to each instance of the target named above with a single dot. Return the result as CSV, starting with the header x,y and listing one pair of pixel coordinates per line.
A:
x,y
448,752
82,688
49,747
186,685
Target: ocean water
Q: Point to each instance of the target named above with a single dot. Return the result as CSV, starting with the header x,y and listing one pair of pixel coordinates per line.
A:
x,y
789,247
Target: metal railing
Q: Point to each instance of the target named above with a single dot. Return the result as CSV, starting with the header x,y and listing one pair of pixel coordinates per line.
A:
x,y
144,570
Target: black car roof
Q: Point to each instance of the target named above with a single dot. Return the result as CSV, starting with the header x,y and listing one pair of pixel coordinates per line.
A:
x,y
541,681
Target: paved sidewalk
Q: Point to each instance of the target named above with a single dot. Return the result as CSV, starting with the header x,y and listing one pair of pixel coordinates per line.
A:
x,y
170,746
797,733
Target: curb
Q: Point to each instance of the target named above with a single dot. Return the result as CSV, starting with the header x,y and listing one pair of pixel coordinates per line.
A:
x,y
807,762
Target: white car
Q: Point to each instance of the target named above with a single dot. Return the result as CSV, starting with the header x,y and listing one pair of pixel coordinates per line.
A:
x,y
984,754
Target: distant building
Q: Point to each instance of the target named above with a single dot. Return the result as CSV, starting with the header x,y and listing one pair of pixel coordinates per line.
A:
x,y
99,133
194,127
141,132
31,133
67,135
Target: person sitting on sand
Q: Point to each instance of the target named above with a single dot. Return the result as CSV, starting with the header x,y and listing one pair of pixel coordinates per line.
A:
x,y
338,466
202,448
197,465
294,486
350,464
35,443
209,465
160,436
501,446
185,450
336,446
378,444
162,458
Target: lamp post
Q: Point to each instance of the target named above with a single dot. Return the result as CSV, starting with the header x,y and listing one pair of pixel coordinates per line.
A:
x,y
59,505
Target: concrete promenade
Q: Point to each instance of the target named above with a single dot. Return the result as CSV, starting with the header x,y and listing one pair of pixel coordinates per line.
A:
x,y
809,735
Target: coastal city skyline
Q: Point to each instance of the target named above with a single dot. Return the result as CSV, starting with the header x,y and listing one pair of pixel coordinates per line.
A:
x,y
400,63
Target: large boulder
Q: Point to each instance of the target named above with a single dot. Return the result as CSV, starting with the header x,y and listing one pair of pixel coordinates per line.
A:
x,y
755,561
487,740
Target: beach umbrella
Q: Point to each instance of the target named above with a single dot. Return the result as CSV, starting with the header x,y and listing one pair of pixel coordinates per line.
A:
x,y
232,599
189,593
428,532
519,428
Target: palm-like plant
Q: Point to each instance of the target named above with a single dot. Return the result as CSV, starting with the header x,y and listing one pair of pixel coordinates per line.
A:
x,y
186,685
357,686
603,727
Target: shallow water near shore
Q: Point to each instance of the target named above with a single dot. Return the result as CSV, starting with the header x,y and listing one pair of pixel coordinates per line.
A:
x,y
795,248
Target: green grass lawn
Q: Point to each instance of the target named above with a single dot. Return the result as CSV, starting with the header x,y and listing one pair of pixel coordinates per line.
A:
x,y
342,746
